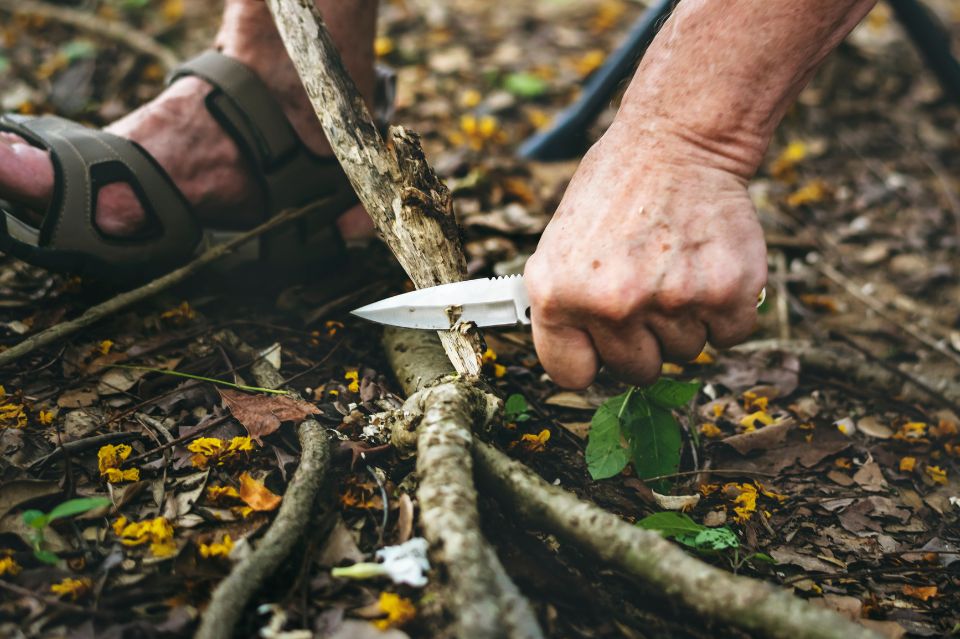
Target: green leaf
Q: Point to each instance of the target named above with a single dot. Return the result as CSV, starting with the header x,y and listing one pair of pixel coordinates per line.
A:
x,y
34,518
525,85
670,524
711,539
762,556
654,438
46,556
77,506
606,455
668,393
78,50
515,408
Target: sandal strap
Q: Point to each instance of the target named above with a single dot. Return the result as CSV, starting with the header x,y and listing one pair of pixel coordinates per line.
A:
x,y
289,173
84,161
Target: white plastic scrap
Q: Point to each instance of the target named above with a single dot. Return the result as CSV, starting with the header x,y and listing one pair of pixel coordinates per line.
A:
x,y
406,563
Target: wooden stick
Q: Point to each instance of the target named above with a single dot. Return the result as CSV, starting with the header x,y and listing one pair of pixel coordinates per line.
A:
x,y
123,300
91,23
411,207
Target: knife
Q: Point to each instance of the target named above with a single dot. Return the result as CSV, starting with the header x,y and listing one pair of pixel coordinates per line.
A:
x,y
494,301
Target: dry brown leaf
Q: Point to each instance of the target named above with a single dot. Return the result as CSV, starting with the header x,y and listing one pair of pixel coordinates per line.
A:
x,y
919,592
262,415
79,398
405,519
256,495
577,429
873,427
763,438
567,399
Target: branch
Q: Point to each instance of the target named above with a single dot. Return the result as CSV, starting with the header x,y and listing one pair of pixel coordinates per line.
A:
x,y
109,29
115,304
295,517
411,207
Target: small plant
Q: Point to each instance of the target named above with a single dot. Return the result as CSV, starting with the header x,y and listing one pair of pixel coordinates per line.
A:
x,y
702,539
38,521
515,409
642,418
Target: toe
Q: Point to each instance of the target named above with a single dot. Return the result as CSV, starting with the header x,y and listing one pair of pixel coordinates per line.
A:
x,y
26,174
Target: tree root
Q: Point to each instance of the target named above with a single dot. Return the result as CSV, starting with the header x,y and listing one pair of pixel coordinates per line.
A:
x,y
839,360
643,555
110,29
231,597
115,304
652,560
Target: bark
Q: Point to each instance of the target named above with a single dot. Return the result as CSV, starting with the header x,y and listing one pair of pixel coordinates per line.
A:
x,y
411,207
294,519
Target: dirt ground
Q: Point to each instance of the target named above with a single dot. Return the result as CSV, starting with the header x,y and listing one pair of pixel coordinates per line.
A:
x,y
850,495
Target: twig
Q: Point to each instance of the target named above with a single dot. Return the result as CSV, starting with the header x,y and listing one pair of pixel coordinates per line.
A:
x,y
123,300
91,23
179,440
910,328
79,445
296,515
647,557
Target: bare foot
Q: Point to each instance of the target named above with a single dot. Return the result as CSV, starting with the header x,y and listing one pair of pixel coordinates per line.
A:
x,y
183,137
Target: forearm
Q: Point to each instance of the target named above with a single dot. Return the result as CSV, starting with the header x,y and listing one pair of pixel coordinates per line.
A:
x,y
722,73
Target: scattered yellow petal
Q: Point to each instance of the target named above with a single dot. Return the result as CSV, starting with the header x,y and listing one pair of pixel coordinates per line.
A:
x,y
710,431
256,495
45,417
8,566
354,377
719,409
843,462
919,592
220,549
109,460
172,10
115,475
745,503
157,532
912,431
704,358
73,588
214,449
382,46
749,422
3,391
470,98
669,368
218,493
608,15
180,314
590,62
535,443
907,464
398,610
499,370
810,193
785,164
488,356
332,327
936,474
752,401
105,346
12,415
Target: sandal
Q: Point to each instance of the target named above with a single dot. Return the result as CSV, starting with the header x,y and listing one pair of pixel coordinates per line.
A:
x,y
85,160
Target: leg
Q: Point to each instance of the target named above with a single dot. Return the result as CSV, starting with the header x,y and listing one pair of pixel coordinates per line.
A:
x,y
179,132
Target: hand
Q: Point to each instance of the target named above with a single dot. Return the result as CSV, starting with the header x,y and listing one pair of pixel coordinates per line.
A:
x,y
654,250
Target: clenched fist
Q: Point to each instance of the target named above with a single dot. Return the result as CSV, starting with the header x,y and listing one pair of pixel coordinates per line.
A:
x,y
654,250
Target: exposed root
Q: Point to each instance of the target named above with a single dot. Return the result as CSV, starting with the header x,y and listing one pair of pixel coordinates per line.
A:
x,y
293,520
649,558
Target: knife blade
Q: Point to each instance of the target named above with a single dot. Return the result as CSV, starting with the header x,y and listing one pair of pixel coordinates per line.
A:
x,y
495,301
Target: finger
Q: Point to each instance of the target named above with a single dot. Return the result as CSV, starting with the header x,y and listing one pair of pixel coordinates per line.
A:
x,y
726,329
681,337
629,351
566,353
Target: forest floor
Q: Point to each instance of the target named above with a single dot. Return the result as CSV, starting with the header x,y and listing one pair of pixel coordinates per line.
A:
x,y
850,495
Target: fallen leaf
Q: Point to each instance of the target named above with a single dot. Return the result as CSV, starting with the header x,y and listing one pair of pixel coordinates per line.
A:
x,y
404,518
119,380
79,398
807,562
262,415
20,491
870,478
922,593
577,429
256,495
676,502
873,427
567,399
763,438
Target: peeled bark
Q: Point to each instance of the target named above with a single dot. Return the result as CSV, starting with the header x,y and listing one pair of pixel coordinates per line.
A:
x,y
411,207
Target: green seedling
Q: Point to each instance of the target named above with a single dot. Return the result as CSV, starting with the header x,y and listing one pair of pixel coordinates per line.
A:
x,y
515,409
38,521
642,418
